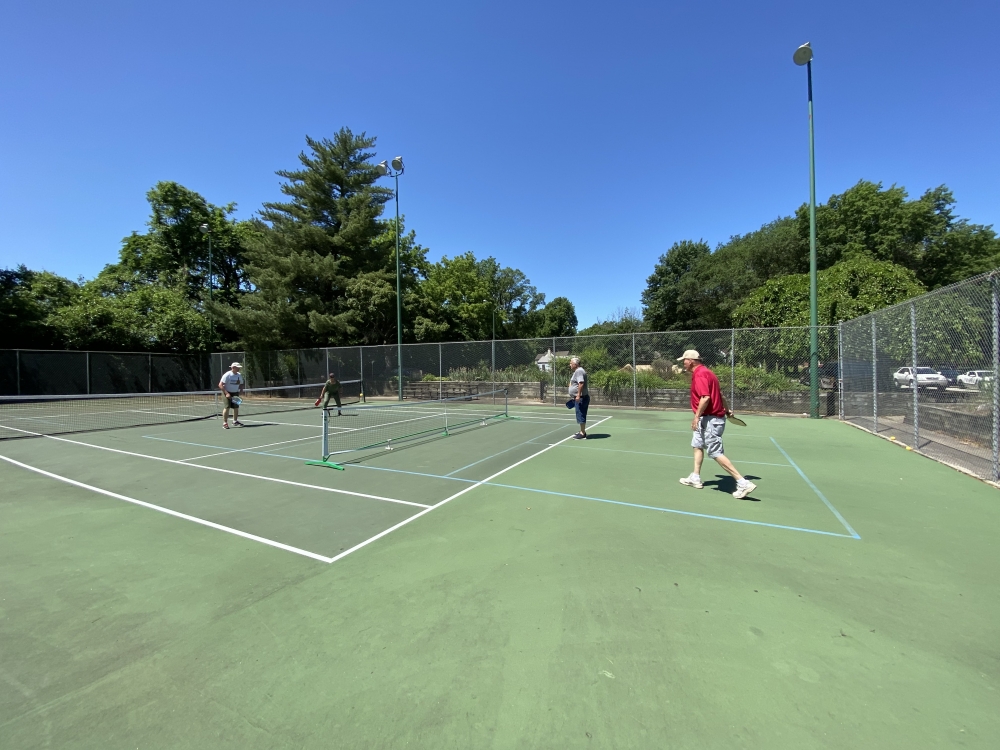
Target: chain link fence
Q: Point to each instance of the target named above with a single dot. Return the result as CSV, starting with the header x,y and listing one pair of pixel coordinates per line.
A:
x,y
30,372
922,373
761,370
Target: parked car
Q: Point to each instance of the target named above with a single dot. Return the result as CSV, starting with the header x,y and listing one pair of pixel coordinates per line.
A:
x,y
925,378
973,378
950,373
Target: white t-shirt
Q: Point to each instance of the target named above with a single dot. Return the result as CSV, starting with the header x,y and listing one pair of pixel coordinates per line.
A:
x,y
231,381
578,378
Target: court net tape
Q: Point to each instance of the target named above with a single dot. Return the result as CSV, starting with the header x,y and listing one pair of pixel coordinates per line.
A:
x,y
28,416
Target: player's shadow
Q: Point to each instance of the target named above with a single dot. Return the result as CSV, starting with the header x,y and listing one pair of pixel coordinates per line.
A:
x,y
597,435
725,483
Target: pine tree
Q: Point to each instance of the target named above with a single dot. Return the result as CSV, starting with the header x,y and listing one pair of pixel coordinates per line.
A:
x,y
320,262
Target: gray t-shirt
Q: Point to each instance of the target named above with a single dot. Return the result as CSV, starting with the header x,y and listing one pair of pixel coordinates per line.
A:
x,y
579,376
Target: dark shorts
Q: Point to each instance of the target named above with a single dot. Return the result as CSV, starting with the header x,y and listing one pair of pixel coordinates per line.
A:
x,y
335,396
581,409
229,401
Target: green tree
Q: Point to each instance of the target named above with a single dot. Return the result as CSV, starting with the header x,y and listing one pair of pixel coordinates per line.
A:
x,y
878,223
113,312
849,289
659,298
28,300
623,320
962,251
557,318
321,261
175,250
460,297
718,284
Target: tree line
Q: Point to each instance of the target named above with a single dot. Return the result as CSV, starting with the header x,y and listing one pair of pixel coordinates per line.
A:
x,y
875,247
315,269
319,269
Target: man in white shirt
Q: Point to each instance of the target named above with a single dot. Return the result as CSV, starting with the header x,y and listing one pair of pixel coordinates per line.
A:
x,y
232,384
579,395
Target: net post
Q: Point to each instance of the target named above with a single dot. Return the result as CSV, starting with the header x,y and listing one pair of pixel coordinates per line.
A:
x,y
995,346
506,413
326,434
914,384
874,380
635,381
840,367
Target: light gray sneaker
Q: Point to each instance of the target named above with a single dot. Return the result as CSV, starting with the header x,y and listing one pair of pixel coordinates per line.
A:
x,y
691,481
742,490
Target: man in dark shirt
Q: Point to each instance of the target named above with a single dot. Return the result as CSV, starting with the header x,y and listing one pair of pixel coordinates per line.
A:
x,y
709,423
331,389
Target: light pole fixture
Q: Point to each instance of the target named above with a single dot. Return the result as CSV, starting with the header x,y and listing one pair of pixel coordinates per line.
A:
x,y
803,56
205,229
395,169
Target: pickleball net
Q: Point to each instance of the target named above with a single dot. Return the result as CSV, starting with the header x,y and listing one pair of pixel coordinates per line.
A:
x,y
385,426
33,416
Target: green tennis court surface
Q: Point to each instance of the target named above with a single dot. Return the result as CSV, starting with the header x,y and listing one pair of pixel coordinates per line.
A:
x,y
503,587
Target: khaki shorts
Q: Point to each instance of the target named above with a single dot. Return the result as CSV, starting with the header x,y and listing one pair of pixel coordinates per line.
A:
x,y
708,436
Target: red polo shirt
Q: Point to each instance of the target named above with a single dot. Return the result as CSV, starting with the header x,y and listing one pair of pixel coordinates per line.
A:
x,y
704,383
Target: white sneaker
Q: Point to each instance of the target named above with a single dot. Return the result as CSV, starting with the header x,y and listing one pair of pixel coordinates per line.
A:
x,y
742,490
692,481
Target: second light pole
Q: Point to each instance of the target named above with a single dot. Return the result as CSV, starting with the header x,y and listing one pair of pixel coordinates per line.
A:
x,y
205,229
395,169
803,56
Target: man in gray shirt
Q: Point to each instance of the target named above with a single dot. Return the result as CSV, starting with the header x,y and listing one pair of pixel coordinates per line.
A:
x,y
579,393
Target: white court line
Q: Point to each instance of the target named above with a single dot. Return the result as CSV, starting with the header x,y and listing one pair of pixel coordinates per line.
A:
x,y
169,512
471,487
225,471
254,448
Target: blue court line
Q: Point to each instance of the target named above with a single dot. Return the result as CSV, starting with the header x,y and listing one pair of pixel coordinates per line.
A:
x,y
507,450
815,489
566,494
671,510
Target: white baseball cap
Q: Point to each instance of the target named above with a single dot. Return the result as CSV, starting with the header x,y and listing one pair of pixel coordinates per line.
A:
x,y
690,354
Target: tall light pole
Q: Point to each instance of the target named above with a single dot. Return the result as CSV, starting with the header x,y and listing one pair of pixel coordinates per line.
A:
x,y
803,56
395,171
205,229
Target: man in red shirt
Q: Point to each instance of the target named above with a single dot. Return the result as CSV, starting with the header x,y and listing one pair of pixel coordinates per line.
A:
x,y
709,423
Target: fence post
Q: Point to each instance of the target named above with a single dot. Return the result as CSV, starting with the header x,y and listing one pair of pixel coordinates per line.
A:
x,y
440,373
493,367
361,364
874,380
635,377
149,380
840,366
732,371
88,373
552,364
326,374
914,385
995,286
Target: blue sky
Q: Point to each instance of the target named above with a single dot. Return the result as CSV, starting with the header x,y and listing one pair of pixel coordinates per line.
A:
x,y
575,141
